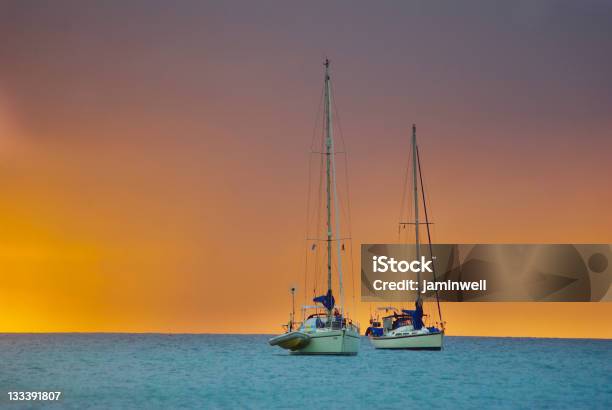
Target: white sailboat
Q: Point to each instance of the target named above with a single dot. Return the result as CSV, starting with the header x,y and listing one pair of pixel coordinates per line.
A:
x,y
327,330
405,329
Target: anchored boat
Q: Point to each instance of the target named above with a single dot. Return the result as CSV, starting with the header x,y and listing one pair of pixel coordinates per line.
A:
x,y
326,327
405,329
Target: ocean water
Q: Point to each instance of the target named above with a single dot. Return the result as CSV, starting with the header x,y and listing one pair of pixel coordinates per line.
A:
x,y
155,371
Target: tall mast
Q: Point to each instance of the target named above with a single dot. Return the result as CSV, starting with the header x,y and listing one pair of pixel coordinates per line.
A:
x,y
416,205
332,194
328,179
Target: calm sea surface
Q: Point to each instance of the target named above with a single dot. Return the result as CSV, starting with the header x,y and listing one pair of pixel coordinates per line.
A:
x,y
227,371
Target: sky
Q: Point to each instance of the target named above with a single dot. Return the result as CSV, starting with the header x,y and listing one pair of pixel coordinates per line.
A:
x,y
154,155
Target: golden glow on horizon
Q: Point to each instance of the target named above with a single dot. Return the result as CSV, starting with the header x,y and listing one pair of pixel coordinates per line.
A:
x,y
103,257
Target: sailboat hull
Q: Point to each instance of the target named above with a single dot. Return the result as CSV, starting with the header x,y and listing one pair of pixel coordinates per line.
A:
x,y
320,342
427,341
331,342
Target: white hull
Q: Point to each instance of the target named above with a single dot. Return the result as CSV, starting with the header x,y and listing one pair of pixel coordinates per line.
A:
x,y
332,342
425,341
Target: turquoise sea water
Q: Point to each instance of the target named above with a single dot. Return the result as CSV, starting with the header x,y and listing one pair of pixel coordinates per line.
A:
x,y
156,371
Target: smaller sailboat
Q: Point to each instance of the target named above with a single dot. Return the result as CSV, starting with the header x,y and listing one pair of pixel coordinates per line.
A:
x,y
405,328
327,330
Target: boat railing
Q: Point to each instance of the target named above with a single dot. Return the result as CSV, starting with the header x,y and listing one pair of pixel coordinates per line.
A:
x,y
336,324
339,324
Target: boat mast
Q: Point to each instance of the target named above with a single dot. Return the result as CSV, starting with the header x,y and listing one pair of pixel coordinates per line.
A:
x,y
328,179
332,195
416,205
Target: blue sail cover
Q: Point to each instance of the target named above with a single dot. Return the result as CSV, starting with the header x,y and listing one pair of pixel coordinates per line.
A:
x,y
327,300
417,316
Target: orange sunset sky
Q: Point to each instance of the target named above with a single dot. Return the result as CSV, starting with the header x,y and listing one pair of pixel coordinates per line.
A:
x,y
154,156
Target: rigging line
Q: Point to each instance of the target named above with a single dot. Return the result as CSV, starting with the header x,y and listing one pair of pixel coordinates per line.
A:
x,y
345,152
338,121
433,266
338,125
309,197
410,213
348,201
335,203
320,202
354,306
403,199
346,208
335,266
308,200
350,231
